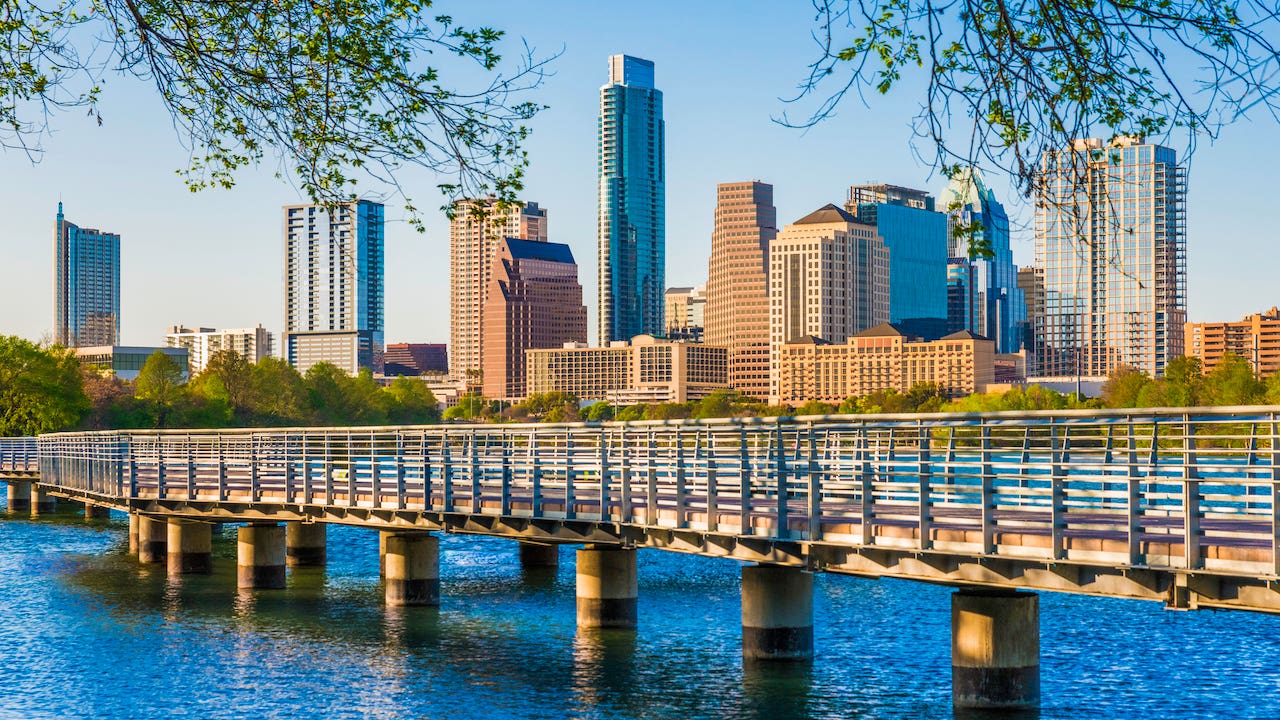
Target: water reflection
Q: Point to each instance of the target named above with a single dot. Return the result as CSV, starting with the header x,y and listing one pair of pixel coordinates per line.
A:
x,y
776,689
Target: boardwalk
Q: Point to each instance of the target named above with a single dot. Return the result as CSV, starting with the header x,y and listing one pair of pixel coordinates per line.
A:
x,y
1177,506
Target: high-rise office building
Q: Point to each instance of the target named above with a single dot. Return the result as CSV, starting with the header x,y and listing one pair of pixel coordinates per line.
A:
x,y
252,344
333,287
1031,283
632,209
415,359
1110,234
475,234
996,307
534,302
87,304
828,278
737,312
686,313
917,240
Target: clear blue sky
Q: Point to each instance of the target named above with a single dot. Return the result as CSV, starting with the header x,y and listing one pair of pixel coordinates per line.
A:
x,y
215,258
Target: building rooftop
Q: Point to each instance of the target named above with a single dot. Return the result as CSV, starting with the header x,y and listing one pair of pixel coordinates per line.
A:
x,y
826,214
536,250
965,335
883,330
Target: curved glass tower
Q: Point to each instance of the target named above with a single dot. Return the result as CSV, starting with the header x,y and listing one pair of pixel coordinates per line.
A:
x,y
632,222
993,305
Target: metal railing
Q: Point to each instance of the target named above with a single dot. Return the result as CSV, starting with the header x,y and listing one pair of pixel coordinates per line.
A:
x,y
1180,489
18,455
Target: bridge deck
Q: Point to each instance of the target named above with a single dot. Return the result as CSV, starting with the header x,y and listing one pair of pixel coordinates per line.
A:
x,y
1178,505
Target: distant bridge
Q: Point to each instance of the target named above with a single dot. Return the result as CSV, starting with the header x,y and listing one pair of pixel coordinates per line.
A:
x,y
1177,505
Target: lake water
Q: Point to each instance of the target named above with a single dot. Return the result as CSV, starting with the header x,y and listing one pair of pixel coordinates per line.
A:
x,y
85,631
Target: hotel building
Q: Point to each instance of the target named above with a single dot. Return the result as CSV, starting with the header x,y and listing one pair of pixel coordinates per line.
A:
x,y
647,369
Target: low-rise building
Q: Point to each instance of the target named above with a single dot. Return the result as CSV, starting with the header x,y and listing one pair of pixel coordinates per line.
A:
x,y
646,369
252,344
126,361
414,359
1256,338
883,358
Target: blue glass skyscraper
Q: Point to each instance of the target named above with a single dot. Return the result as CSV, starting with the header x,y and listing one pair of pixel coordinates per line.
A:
x,y
632,212
87,268
997,307
917,240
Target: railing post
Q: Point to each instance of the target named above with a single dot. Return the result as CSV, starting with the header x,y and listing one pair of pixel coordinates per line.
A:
x,y
375,471
424,453
625,513
254,494
133,471
604,475
988,494
713,511
815,488
289,491
1133,508
924,481
306,469
446,474
867,491
1190,496
1275,496
569,511
744,483
1057,492
504,502
191,470
680,481
400,491
222,471
352,485
651,488
782,527
535,473
473,462
328,472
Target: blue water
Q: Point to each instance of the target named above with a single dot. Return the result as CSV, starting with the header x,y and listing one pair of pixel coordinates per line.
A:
x,y
87,632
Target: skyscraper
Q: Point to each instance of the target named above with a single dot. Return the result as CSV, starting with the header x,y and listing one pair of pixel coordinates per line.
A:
x,y
87,301
632,210
534,302
333,291
917,240
737,312
829,278
997,308
475,234
1110,234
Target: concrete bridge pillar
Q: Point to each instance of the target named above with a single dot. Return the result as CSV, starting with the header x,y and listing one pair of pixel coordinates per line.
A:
x,y
133,533
777,613
995,649
153,540
190,547
19,496
260,556
305,544
96,512
412,569
539,555
42,503
607,587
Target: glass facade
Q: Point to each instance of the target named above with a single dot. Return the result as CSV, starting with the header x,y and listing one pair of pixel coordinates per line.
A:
x,y
1110,230
997,307
917,240
632,205
87,300
333,285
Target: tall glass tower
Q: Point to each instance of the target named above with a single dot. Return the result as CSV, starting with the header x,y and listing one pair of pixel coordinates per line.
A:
x,y
995,305
333,272
1111,236
632,222
87,304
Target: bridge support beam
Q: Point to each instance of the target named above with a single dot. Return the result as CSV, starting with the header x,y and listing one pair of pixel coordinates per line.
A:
x,y
995,649
153,540
19,496
607,587
777,613
42,503
260,556
305,544
133,533
539,555
96,512
190,547
412,569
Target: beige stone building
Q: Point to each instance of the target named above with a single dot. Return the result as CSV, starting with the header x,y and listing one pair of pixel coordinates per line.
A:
x,y
1256,338
646,369
828,278
474,235
737,312
882,358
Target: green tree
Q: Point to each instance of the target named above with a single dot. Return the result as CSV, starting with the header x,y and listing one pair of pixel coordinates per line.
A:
x,y
599,411
815,407
278,394
334,91
159,384
631,413
411,402
1124,386
41,389
234,374
1183,382
329,399
1231,382
469,408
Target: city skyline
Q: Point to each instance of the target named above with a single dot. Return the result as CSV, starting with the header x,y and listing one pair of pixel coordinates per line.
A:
x,y
743,142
